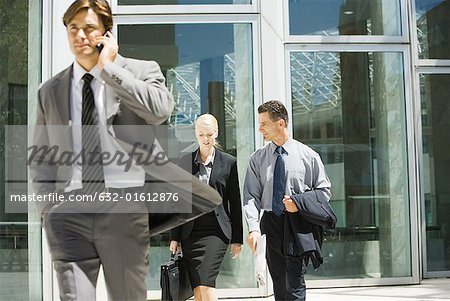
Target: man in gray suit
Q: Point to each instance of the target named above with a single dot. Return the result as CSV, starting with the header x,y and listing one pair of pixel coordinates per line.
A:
x,y
100,88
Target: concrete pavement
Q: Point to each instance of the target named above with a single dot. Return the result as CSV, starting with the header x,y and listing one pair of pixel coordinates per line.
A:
x,y
428,290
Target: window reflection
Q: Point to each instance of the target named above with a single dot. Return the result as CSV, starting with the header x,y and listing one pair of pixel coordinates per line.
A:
x,y
208,69
433,26
350,108
344,17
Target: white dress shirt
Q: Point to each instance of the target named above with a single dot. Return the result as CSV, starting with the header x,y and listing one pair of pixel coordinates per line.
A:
x,y
115,176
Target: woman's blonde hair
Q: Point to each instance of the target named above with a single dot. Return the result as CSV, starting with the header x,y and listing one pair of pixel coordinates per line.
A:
x,y
208,120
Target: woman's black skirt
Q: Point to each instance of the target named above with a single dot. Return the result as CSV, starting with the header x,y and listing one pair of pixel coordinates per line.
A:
x,y
204,250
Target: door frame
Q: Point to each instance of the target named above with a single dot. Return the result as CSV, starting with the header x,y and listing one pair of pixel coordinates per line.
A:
x,y
410,116
423,234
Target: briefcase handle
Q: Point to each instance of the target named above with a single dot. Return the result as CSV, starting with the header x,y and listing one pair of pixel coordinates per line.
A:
x,y
176,255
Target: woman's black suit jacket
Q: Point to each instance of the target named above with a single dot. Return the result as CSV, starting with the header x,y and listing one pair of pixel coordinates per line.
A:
x,y
224,179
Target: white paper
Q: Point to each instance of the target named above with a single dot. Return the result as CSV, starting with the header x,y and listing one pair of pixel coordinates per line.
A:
x,y
260,260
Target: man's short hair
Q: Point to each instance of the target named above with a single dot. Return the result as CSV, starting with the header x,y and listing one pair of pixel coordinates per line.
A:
x,y
276,110
100,7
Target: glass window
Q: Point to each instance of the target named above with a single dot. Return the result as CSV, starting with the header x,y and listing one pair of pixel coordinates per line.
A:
x,y
181,2
343,17
434,90
350,108
433,30
209,69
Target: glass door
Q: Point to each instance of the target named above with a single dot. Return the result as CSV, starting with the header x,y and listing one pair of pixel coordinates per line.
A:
x,y
435,117
209,69
349,104
432,56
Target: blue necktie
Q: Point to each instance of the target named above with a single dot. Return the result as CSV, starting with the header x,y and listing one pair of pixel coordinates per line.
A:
x,y
279,183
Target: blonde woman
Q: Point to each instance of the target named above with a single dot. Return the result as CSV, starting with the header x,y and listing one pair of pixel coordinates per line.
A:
x,y
205,240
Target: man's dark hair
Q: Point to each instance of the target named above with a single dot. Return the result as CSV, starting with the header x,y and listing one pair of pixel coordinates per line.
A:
x,y
100,7
276,110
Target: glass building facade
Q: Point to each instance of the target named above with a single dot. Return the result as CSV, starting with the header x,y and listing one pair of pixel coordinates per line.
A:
x,y
346,110
366,85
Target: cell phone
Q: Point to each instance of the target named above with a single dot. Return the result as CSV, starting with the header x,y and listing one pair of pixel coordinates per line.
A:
x,y
99,46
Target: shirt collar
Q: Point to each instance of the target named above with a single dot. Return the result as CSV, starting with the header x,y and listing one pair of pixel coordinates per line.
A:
x,y
198,159
287,146
79,71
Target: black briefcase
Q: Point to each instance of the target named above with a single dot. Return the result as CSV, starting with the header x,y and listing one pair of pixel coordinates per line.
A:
x,y
175,283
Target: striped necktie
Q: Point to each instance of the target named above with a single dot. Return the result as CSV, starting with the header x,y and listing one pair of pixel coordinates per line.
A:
x,y
279,183
92,172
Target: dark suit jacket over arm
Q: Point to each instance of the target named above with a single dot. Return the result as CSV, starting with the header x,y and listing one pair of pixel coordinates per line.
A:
x,y
314,207
303,230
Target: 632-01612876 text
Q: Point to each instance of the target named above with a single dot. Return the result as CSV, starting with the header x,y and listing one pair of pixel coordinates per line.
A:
x,y
139,197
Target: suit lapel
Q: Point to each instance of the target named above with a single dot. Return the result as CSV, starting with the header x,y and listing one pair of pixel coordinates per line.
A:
x,y
61,103
195,170
216,168
62,95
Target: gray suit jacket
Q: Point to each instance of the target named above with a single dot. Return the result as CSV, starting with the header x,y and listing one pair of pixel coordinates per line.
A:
x,y
135,94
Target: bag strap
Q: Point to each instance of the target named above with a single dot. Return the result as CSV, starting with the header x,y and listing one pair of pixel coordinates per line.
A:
x,y
175,256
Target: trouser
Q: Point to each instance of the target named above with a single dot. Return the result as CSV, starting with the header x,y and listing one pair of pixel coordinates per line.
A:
x,y
81,242
287,272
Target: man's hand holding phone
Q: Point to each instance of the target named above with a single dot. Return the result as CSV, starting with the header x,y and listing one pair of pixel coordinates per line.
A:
x,y
108,49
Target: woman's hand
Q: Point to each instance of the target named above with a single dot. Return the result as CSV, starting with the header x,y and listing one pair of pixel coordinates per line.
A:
x,y
235,250
175,247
